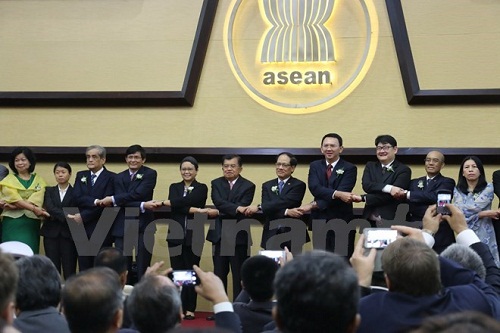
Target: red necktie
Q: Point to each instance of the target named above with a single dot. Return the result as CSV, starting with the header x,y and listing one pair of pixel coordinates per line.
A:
x,y
329,169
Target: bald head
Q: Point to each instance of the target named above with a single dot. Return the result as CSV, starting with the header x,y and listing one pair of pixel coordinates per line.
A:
x,y
434,162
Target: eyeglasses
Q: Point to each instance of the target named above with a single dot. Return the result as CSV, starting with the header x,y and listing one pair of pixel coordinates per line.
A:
x,y
435,160
230,166
284,165
383,148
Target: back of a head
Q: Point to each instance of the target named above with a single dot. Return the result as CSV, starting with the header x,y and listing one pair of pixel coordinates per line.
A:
x,y
257,275
155,305
411,267
39,284
8,281
92,300
459,322
466,257
112,258
316,292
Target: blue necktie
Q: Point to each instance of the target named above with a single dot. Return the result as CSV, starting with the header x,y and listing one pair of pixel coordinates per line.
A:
x,y
92,179
280,185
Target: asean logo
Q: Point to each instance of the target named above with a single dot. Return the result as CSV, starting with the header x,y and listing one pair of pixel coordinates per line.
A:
x,y
300,56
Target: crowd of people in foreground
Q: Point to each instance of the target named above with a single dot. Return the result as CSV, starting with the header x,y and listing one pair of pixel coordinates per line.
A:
x,y
77,223
316,291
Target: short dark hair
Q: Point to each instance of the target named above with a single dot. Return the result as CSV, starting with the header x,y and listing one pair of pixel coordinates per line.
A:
x,y
466,257
230,157
154,305
257,275
386,138
316,292
29,155
91,300
191,160
39,284
462,185
112,258
411,267
293,159
9,277
62,164
136,149
332,135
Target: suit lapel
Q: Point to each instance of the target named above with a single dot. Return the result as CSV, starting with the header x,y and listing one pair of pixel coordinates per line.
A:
x,y
286,186
235,188
334,177
131,184
68,195
432,183
388,173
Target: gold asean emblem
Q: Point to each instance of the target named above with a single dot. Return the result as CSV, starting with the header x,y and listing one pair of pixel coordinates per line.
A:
x,y
300,56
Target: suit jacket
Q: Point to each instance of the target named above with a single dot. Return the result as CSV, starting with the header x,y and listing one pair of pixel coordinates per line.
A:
x,y
226,201
374,180
254,315
343,178
492,271
57,225
275,204
397,312
128,193
44,320
180,205
86,194
423,195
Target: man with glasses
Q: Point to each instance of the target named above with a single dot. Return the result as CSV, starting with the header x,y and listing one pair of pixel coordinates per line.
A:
x,y
90,186
385,182
331,181
281,198
423,192
231,194
133,194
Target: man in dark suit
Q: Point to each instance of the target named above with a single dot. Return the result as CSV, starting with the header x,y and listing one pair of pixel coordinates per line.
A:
x,y
384,182
257,275
231,194
423,192
331,181
422,284
90,186
281,199
133,192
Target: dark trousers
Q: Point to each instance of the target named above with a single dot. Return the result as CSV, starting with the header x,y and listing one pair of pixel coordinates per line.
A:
x,y
62,252
222,264
185,261
142,252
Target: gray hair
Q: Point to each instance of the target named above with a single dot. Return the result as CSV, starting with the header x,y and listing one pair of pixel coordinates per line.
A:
x,y
466,257
101,150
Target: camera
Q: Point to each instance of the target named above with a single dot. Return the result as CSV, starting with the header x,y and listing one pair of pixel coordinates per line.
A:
x,y
184,278
379,238
278,256
443,197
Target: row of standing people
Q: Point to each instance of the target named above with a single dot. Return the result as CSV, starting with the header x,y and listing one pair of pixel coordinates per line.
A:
x,y
387,183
